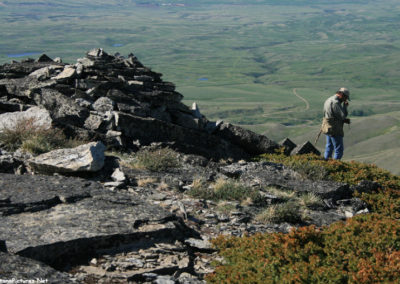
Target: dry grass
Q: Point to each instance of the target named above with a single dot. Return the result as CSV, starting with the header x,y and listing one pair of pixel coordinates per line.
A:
x,y
34,138
163,186
290,212
146,181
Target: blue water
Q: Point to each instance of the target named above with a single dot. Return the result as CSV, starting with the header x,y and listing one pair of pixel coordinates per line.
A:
x,y
203,79
23,54
117,45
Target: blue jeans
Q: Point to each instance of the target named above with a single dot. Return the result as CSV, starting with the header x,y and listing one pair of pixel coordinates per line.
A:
x,y
334,144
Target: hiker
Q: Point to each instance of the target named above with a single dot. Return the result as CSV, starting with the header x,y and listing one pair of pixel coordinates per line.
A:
x,y
335,115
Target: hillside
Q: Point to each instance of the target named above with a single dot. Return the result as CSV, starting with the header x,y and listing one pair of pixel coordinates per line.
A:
x,y
239,60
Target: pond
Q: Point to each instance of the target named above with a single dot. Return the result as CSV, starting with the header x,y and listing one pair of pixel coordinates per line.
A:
x,y
23,54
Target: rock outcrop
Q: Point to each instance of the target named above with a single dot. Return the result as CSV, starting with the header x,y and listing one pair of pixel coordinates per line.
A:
x,y
103,93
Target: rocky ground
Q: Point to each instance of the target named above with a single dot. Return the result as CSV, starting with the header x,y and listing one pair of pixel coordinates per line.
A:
x,y
87,215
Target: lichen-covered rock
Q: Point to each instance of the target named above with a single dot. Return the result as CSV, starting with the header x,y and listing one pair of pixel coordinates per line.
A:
x,y
38,117
84,158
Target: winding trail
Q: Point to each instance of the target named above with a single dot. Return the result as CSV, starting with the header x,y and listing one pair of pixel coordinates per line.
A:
x,y
301,98
289,111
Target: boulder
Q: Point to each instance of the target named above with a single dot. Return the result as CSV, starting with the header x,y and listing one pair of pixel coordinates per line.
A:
x,y
103,104
44,58
62,108
305,148
186,140
68,73
84,158
251,142
45,72
36,116
289,145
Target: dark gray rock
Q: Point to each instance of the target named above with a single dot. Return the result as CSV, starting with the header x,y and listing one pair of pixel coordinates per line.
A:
x,y
251,142
288,144
149,130
25,269
28,193
3,247
305,148
366,186
71,231
8,164
63,109
44,58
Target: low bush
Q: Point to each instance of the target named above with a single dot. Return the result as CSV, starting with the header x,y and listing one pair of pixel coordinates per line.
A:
x,y
364,249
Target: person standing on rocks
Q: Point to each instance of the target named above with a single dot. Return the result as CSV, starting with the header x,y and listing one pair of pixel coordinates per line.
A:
x,y
335,115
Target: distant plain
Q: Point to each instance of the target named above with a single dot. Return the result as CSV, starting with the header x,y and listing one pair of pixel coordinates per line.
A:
x,y
241,61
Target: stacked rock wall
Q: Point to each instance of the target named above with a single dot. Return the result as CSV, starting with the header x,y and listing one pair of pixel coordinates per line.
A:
x,y
123,103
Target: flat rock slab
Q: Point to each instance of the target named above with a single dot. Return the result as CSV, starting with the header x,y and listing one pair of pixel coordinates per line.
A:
x,y
84,158
21,193
94,220
267,174
25,269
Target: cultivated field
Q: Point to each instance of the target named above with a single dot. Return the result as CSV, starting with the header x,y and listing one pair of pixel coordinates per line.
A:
x,y
241,61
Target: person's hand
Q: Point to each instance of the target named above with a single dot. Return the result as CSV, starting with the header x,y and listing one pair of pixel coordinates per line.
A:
x,y
346,103
347,120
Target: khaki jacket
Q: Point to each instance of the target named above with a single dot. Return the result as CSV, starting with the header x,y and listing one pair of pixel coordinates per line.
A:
x,y
335,113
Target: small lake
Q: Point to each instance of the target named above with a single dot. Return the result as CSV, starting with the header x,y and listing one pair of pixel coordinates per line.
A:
x,y
23,54
203,79
117,45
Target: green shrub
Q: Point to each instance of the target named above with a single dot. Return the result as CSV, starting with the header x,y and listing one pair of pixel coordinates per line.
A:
x,y
32,138
364,249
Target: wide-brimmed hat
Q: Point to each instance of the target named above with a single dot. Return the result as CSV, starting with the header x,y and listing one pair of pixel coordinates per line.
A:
x,y
345,92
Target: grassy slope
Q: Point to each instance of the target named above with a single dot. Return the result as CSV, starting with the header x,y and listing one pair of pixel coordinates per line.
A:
x,y
253,54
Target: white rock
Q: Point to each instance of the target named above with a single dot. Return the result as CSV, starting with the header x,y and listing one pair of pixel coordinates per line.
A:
x,y
67,73
45,72
196,111
39,117
84,158
118,175
348,214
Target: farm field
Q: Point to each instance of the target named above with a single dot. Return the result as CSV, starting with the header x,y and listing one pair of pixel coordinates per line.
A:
x,y
265,65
